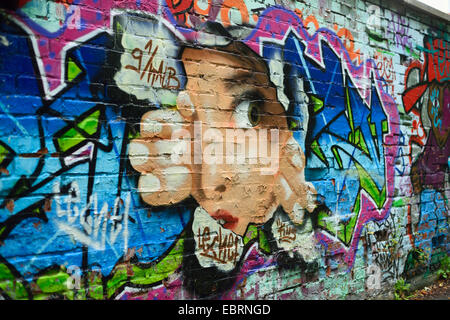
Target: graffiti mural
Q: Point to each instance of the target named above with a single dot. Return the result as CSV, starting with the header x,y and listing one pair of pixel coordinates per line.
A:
x,y
201,149
350,142
426,99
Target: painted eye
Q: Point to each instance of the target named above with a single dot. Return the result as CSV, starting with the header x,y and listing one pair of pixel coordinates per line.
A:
x,y
247,114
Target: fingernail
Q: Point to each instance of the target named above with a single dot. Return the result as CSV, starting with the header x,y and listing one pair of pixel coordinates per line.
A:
x,y
184,99
175,177
151,127
297,160
292,144
149,183
184,103
138,153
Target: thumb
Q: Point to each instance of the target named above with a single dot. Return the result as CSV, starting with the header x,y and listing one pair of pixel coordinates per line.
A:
x,y
185,106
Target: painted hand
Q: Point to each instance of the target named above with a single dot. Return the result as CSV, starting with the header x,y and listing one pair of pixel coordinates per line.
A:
x,y
163,181
293,192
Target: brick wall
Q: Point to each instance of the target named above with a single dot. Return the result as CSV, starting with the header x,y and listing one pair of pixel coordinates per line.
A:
x,y
226,149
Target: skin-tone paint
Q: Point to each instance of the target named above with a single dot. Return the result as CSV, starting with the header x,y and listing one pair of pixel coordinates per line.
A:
x,y
229,88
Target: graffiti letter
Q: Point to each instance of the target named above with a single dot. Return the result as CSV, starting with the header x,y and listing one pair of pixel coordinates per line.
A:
x,y
374,279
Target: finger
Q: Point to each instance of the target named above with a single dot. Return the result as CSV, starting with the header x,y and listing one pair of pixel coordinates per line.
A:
x,y
293,174
161,123
147,155
295,194
293,204
294,154
290,199
300,191
165,186
185,106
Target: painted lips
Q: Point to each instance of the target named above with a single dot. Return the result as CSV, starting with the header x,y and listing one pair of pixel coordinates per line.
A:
x,y
226,219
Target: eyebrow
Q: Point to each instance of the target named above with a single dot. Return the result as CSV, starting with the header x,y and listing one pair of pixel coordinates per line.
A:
x,y
238,78
252,95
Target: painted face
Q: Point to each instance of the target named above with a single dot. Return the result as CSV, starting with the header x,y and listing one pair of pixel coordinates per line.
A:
x,y
232,95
